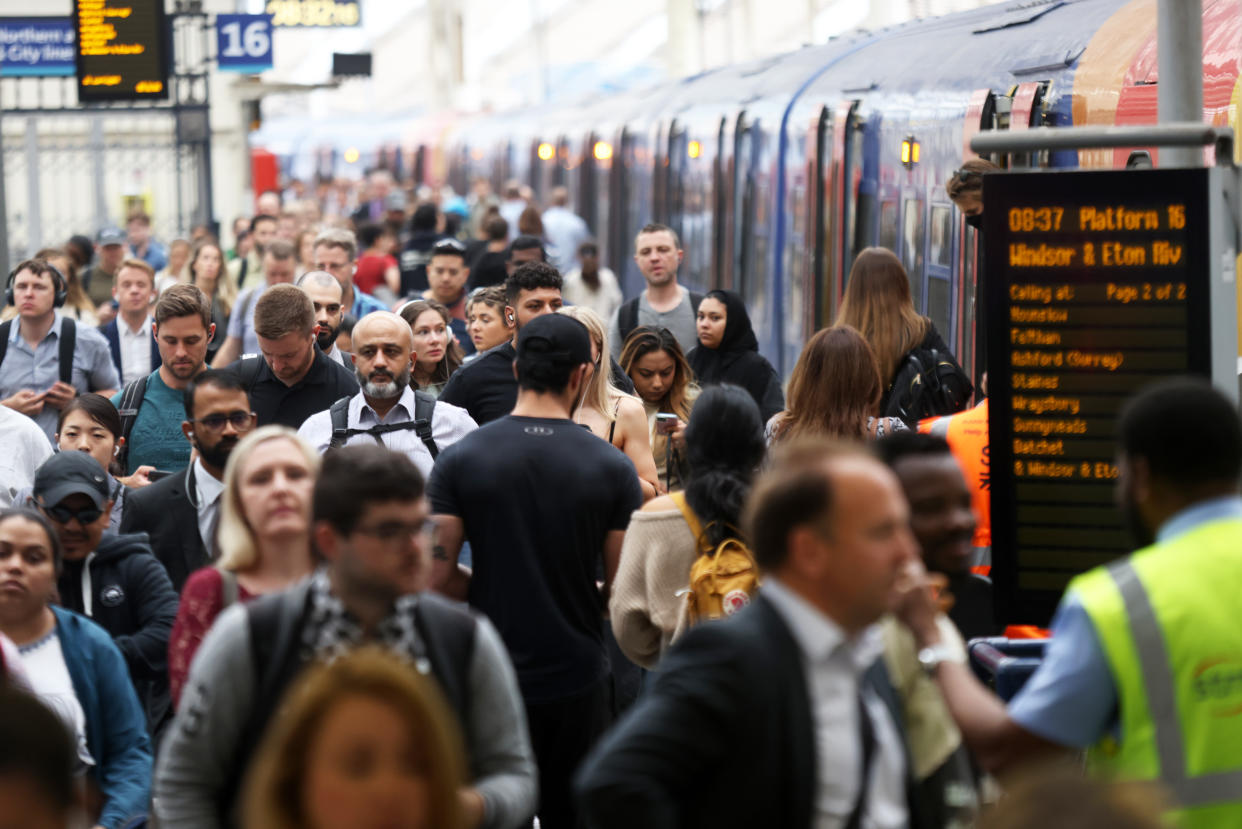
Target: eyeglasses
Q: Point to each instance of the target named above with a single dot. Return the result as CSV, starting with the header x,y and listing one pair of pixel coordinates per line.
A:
x,y
391,532
63,515
215,422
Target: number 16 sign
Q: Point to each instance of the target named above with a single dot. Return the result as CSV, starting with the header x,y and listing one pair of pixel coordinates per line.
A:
x,y
244,42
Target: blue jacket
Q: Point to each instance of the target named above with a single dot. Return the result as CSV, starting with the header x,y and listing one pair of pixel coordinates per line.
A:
x,y
116,727
113,335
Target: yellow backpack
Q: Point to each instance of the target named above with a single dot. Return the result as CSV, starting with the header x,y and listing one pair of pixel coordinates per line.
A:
x,y
722,580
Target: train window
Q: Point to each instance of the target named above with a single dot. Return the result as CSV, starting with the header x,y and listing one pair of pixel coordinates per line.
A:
x,y
912,235
968,303
941,236
939,304
888,224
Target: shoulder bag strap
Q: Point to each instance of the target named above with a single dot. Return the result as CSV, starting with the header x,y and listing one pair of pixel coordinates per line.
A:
x,y
5,329
340,423
424,410
68,342
696,527
228,588
131,403
627,320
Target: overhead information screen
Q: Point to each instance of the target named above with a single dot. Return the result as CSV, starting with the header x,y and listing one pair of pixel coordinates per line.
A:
x,y
1097,284
122,50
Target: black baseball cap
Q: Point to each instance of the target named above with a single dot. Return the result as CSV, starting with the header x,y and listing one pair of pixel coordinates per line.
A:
x,y
71,473
554,338
111,236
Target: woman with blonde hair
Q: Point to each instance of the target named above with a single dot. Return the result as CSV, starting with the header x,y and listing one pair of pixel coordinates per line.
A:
x,y
656,365
834,392
439,354
264,537
365,741
877,303
610,413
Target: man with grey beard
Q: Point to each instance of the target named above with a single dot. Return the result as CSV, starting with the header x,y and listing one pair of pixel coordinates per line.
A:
x,y
387,410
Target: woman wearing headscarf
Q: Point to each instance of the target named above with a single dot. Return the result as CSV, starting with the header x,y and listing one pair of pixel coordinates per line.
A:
x,y
729,353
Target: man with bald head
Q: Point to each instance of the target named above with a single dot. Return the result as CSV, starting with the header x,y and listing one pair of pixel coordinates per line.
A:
x,y
329,300
387,410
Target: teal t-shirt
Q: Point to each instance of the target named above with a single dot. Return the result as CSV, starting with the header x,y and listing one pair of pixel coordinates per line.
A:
x,y
156,438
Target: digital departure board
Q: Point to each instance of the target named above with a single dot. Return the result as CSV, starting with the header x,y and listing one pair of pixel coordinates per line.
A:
x,y
1097,284
122,50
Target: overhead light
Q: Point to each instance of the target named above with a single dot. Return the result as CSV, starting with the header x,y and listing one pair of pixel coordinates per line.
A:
x,y
694,149
546,151
910,151
352,155
603,150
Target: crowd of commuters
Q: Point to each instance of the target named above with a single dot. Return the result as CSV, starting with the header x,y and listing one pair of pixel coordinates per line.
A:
x,y
400,514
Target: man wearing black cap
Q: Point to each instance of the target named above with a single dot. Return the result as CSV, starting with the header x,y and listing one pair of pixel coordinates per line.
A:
x,y
541,517
111,579
110,250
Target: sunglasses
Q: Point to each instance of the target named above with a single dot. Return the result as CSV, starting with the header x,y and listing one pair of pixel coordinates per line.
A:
x,y
215,422
63,515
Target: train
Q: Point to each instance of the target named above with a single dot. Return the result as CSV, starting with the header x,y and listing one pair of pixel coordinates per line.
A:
x,y
777,172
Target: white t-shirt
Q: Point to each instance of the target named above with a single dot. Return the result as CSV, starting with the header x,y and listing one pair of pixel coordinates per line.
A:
x,y
23,449
49,677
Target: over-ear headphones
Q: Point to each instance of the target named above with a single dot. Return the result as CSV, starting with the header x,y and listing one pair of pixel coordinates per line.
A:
x,y
62,284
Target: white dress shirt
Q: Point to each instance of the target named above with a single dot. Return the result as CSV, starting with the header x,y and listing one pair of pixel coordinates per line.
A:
x,y
23,449
135,350
207,499
449,424
834,667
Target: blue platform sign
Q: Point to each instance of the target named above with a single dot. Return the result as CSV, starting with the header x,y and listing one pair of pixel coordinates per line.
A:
x,y
37,46
244,42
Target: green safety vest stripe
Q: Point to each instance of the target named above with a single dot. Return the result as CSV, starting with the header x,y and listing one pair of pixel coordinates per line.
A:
x,y
1153,659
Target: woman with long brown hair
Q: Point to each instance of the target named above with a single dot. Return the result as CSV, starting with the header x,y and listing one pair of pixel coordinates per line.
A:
x,y
662,379
439,355
878,305
834,391
610,413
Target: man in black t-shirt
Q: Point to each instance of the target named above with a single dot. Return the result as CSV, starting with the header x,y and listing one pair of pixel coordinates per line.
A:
x,y
293,379
542,501
486,387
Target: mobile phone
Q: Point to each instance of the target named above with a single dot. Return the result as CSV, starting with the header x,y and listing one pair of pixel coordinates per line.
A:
x,y
666,423
156,474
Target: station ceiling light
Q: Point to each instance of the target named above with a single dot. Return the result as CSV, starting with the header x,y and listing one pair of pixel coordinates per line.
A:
x,y
694,149
352,155
909,152
602,150
546,151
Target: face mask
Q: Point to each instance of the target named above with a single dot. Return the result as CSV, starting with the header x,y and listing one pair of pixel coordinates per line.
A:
x,y
975,221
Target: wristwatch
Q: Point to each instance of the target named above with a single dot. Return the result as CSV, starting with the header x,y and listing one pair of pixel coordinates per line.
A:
x,y
931,657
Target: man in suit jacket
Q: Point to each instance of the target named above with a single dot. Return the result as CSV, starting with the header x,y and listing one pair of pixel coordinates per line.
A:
x,y
180,513
134,291
782,715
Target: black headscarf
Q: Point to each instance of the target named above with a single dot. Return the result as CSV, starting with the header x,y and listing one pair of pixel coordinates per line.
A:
x,y
737,360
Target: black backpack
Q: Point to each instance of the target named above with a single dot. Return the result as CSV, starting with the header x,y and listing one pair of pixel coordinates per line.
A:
x,y
627,315
929,383
64,355
131,403
424,410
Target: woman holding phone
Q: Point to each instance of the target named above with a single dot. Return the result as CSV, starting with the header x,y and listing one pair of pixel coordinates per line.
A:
x,y
662,378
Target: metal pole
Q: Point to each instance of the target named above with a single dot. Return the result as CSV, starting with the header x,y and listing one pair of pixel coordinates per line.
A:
x,y
1180,55
4,214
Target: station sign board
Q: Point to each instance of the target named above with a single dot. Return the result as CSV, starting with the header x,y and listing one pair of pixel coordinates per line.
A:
x,y
306,14
243,43
1097,284
37,46
123,50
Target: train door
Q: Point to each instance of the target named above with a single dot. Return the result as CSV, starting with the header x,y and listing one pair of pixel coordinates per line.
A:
x,y
821,291
745,149
853,135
